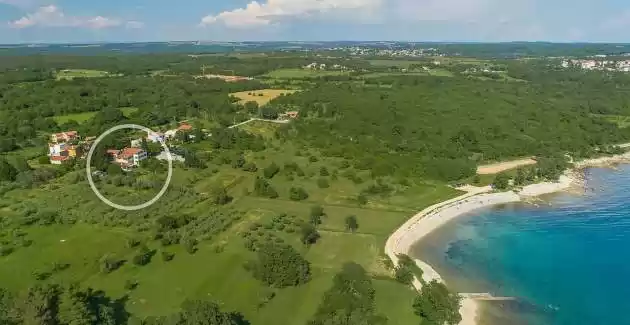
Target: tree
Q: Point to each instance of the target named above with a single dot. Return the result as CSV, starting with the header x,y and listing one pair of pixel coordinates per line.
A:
x,y
403,275
297,194
37,306
520,177
167,256
198,312
316,220
323,183
350,300
264,189
279,265
352,224
43,160
114,169
362,199
143,256
238,162
323,171
310,235
219,195
271,170
251,107
74,308
190,245
21,165
145,146
436,305
110,263
317,210
250,167
7,171
501,181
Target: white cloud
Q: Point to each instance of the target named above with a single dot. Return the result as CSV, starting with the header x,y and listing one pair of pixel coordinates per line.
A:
x,y
52,16
261,14
132,24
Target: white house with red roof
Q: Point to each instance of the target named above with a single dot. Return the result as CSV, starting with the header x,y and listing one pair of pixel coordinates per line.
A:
x,y
128,157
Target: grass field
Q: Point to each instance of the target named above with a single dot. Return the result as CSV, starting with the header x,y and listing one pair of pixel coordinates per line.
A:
x,y
621,120
69,74
219,274
303,73
82,117
262,97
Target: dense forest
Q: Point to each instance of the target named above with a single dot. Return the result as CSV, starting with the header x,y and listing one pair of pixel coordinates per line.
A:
x,y
439,127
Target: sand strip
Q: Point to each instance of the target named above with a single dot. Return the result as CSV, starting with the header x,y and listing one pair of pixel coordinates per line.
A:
x,y
435,216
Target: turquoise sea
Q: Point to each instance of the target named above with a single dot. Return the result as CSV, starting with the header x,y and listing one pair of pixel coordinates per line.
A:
x,y
567,260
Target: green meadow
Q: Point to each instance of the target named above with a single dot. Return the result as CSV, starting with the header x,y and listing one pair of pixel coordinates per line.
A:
x,y
216,271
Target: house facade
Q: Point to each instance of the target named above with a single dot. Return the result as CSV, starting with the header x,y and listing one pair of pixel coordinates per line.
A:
x,y
128,157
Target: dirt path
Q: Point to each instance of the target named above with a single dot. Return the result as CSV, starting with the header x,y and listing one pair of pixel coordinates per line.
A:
x,y
503,166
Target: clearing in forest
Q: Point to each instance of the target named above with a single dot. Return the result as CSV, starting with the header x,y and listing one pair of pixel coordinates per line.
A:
x,y
503,166
82,117
262,97
69,74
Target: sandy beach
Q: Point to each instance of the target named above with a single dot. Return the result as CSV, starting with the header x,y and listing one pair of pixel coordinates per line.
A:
x,y
435,216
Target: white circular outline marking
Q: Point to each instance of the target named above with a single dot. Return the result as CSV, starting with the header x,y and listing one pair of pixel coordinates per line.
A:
x,y
126,207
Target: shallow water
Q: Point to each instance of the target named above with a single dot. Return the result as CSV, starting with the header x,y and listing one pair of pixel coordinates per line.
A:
x,y
567,260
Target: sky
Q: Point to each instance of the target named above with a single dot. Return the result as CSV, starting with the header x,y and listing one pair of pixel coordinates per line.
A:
x,y
77,21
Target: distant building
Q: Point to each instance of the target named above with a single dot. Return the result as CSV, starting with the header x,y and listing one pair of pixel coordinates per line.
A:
x,y
155,137
185,127
174,157
289,115
59,150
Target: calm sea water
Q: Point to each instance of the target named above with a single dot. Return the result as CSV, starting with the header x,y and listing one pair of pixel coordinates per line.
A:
x,y
567,260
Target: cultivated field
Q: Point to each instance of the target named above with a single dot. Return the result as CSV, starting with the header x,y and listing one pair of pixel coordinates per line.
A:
x,y
262,97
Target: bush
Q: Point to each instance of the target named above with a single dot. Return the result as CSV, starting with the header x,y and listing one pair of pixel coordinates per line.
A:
x,y
143,256
280,266
190,245
404,275
298,194
110,263
131,284
271,171
323,183
323,171
167,256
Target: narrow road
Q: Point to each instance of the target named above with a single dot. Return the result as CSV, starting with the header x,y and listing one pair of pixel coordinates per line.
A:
x,y
259,119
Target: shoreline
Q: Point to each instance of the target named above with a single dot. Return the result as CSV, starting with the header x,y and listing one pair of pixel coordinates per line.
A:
x,y
435,216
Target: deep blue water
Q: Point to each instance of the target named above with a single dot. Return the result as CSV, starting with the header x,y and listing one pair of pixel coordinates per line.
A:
x,y
567,261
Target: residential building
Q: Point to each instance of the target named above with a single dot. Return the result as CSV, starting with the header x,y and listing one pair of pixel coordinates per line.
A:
x,y
128,157
59,150
58,160
155,137
185,127
64,136
289,115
